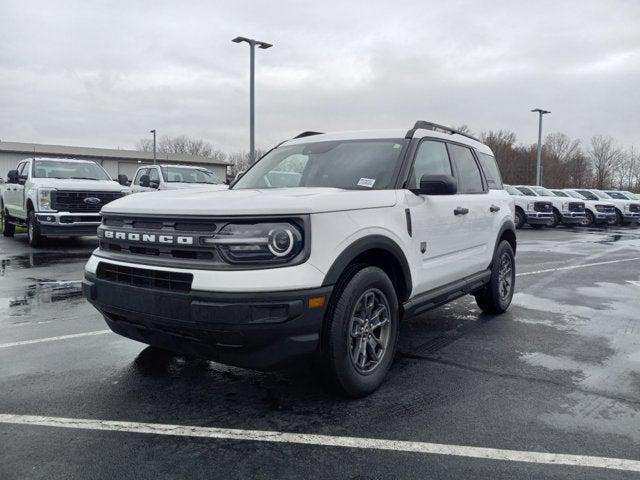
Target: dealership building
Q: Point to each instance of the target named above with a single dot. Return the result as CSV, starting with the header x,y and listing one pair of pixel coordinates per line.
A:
x,y
114,161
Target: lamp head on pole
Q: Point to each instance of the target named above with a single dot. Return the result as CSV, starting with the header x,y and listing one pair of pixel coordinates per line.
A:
x,y
251,41
540,111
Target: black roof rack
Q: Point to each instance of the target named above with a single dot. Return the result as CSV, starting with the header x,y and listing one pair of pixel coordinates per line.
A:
x,y
307,134
421,124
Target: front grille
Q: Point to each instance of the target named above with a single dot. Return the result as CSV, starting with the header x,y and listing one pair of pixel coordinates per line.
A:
x,y
142,277
634,207
576,207
542,206
74,201
605,208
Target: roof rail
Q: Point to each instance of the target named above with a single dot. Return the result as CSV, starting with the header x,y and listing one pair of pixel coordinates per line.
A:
x,y
307,134
424,125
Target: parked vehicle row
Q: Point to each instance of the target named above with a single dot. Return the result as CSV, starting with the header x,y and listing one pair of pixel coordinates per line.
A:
x,y
539,207
61,197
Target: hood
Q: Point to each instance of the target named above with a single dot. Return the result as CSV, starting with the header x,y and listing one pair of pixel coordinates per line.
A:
x,y
70,184
276,201
183,185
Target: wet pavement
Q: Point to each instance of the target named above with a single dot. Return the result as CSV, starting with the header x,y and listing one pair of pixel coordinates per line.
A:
x,y
558,373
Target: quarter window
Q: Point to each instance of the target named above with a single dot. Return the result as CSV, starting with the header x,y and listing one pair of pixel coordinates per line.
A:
x,y
470,178
431,159
491,171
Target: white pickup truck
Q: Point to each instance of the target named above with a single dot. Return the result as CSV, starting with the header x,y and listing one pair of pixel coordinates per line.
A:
x,y
173,177
56,197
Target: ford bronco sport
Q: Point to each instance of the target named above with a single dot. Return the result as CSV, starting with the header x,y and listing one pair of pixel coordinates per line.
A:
x,y
380,225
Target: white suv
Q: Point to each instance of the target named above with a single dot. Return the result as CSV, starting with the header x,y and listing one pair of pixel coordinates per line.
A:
x,y
377,226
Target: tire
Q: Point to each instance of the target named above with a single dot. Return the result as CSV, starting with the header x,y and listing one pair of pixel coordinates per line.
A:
x,y
557,218
520,218
8,229
590,221
33,230
619,218
357,354
496,296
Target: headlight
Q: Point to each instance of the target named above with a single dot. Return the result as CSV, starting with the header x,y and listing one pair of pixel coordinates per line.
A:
x,y
565,207
44,199
627,208
531,206
277,242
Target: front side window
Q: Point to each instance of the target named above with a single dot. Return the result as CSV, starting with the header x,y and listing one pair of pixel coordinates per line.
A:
x,y
141,172
527,191
346,164
188,175
470,178
431,159
587,194
69,170
491,171
153,175
543,191
602,195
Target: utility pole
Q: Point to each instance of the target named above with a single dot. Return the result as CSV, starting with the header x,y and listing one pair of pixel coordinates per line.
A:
x,y
541,112
154,145
252,44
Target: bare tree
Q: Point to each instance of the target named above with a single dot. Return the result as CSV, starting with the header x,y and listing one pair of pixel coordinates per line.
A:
x,y
240,161
182,144
605,157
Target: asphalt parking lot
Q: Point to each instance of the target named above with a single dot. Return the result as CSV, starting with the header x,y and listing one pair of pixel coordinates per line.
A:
x,y
551,389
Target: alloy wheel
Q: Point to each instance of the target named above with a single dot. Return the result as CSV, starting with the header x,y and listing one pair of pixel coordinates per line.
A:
x,y
369,331
505,276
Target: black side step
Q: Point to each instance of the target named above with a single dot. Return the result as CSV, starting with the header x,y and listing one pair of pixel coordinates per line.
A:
x,y
445,294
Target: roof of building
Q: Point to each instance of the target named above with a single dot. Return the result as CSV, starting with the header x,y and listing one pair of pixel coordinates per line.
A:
x,y
110,153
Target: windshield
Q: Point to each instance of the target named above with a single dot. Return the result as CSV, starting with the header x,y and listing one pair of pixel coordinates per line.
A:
x,y
573,194
560,193
348,164
587,194
69,170
601,194
617,195
527,191
544,192
188,175
512,190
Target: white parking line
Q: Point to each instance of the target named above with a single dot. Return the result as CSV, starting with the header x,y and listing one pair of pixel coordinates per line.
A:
x,y
53,339
572,267
327,441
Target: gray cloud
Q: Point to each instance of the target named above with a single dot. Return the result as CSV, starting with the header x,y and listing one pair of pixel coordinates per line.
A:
x,y
104,73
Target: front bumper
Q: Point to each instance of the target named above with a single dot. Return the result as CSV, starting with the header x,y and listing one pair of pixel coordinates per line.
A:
x,y
601,217
573,218
62,224
539,218
261,331
631,217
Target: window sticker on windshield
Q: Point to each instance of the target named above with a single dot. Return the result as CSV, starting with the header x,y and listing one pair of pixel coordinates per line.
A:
x,y
396,145
366,182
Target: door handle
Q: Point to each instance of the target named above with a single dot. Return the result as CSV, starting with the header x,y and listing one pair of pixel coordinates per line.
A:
x,y
461,211
494,208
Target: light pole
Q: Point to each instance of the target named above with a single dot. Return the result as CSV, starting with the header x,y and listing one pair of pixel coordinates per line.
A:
x,y
154,145
252,44
541,112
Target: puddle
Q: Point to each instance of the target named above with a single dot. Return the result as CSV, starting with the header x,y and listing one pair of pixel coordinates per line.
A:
x,y
34,295
39,259
617,237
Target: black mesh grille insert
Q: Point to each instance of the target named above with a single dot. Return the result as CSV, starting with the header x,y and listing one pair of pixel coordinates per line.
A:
x,y
142,277
70,201
634,207
576,207
542,206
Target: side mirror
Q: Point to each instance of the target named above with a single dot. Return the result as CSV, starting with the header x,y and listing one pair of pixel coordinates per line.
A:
x,y
438,185
12,176
144,181
123,180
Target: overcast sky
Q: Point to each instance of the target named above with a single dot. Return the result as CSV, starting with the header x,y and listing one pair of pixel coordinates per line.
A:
x,y
104,73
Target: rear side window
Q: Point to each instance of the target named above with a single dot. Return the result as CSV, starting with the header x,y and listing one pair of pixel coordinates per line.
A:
x,y
431,159
469,176
491,172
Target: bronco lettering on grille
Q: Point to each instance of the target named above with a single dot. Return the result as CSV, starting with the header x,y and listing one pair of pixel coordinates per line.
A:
x,y
149,238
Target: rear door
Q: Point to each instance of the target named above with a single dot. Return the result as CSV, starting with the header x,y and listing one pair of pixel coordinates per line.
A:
x,y
440,237
473,193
